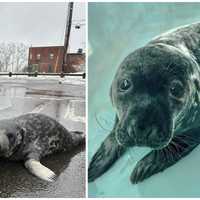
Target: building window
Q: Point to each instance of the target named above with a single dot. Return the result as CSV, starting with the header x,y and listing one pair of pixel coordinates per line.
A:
x,y
31,56
51,56
38,56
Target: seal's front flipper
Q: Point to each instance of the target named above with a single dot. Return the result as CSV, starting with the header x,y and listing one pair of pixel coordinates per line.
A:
x,y
105,157
39,170
158,160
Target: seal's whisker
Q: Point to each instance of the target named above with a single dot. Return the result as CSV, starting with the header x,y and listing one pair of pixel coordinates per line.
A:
x,y
100,125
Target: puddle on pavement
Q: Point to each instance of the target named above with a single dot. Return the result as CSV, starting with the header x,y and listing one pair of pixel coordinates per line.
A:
x,y
16,181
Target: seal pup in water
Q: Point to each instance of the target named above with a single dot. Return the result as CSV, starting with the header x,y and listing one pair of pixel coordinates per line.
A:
x,y
30,137
156,94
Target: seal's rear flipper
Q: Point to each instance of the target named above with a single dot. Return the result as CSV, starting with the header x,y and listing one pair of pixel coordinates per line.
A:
x,y
159,160
105,157
39,170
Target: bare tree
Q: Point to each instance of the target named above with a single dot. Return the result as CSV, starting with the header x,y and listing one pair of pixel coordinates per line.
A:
x,y
13,57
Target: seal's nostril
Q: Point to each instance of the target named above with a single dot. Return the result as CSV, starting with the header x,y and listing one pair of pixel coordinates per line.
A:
x,y
141,127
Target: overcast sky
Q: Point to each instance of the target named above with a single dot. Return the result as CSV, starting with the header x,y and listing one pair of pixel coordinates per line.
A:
x,y
41,24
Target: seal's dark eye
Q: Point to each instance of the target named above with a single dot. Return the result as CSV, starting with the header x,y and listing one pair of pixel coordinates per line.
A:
x,y
176,89
125,85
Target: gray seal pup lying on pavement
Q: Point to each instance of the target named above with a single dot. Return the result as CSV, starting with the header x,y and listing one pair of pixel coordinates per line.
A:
x,y
30,137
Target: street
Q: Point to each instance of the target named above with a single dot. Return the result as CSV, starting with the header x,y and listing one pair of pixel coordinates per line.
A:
x,y
62,99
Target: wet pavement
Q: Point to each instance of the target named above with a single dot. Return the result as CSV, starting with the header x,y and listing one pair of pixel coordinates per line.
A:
x,y
62,99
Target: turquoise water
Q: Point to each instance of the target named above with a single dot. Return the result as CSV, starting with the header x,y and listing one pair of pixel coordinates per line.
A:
x,y
116,29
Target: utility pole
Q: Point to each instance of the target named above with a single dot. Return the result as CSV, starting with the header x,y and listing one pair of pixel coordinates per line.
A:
x,y
67,32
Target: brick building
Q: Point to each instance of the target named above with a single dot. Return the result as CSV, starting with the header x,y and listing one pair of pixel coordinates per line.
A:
x,y
74,62
50,59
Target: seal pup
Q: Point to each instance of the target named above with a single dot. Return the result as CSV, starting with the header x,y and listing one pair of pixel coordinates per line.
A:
x,y
30,137
155,93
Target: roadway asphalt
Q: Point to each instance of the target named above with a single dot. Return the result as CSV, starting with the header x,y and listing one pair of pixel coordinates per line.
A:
x,y
62,99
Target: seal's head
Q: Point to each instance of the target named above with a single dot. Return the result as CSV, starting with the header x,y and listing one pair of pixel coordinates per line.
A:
x,y
10,138
151,88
